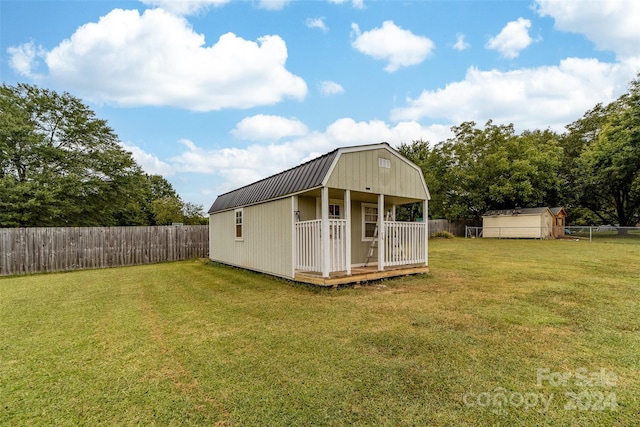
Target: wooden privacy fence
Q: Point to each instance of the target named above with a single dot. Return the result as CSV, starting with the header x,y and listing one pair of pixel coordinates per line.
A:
x,y
35,250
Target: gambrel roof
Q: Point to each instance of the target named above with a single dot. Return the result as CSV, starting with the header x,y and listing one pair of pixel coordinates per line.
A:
x,y
306,176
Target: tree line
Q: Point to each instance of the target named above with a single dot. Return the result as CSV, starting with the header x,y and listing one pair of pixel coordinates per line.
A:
x,y
60,165
592,169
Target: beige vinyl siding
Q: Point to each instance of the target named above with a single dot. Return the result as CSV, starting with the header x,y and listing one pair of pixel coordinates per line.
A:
x,y
266,244
360,171
222,235
307,208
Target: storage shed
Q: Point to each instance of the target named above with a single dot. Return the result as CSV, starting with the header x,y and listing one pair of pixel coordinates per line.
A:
x,y
524,223
559,221
327,221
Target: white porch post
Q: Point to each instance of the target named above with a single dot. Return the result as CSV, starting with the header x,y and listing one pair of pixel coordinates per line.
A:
x,y
294,238
425,218
381,234
347,237
324,232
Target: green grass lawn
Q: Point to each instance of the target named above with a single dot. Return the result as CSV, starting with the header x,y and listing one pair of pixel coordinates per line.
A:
x,y
501,332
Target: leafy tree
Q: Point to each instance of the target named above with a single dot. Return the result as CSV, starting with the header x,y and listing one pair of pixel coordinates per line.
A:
x,y
193,214
60,165
608,169
164,206
167,210
159,187
542,154
433,170
580,134
494,168
170,210
593,169
490,168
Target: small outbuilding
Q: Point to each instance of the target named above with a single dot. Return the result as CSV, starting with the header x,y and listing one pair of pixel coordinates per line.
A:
x,y
559,221
328,221
523,223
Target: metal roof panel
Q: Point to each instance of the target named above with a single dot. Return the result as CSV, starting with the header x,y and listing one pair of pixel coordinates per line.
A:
x,y
302,177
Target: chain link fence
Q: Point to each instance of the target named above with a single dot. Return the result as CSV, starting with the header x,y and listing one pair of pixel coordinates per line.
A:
x,y
592,233
603,232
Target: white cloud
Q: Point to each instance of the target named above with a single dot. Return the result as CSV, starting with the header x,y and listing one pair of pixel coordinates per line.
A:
x,y
273,4
513,38
346,131
330,88
612,25
149,163
460,43
535,98
342,132
184,7
232,167
357,4
317,23
400,47
157,59
23,59
263,127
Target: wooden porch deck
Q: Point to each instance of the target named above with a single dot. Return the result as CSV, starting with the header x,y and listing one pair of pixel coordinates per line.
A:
x,y
359,275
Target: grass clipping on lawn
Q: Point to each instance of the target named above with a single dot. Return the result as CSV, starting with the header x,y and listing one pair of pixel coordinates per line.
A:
x,y
508,332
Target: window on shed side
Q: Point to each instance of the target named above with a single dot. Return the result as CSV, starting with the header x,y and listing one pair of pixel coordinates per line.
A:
x,y
238,223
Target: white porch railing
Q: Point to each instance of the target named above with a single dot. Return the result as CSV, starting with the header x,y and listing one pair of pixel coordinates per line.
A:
x,y
308,253
309,245
337,244
404,243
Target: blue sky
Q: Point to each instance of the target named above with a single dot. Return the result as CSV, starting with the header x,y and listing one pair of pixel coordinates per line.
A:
x,y
215,94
